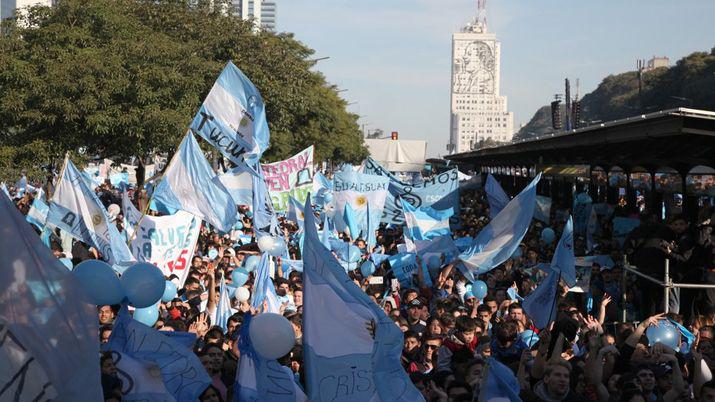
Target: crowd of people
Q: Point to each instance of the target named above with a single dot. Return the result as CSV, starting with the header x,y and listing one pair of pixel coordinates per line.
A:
x,y
587,353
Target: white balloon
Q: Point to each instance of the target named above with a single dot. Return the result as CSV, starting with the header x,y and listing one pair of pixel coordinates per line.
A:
x,y
272,335
266,243
242,294
279,246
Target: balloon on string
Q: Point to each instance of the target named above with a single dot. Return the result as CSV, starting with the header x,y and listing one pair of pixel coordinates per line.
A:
x,y
213,253
99,281
367,268
147,315
239,276
279,247
169,292
242,294
251,262
143,284
272,335
664,332
67,263
265,243
479,288
548,235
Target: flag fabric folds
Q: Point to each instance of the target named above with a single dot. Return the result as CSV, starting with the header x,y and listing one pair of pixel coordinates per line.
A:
x,y
38,211
351,221
496,196
261,379
76,210
48,334
295,212
265,222
223,307
351,348
190,184
238,181
498,240
233,117
500,383
174,371
264,290
543,209
540,304
564,260
366,195
426,223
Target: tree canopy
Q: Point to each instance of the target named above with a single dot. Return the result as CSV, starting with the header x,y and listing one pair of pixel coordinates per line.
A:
x,y
123,78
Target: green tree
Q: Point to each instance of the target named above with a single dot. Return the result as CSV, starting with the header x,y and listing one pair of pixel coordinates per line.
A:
x,y
124,78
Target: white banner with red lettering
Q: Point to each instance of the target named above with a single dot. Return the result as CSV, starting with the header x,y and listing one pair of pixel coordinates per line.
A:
x,y
290,177
165,241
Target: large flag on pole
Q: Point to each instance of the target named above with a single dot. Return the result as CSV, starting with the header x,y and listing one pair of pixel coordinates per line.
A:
x,y
76,209
366,194
500,384
264,290
173,371
265,222
233,117
496,196
190,184
498,240
540,304
261,379
48,334
352,349
223,307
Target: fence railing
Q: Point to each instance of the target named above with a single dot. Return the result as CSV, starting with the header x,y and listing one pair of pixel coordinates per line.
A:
x,y
667,283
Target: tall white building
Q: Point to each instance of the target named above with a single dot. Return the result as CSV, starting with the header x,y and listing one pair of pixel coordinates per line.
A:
x,y
478,112
8,7
263,12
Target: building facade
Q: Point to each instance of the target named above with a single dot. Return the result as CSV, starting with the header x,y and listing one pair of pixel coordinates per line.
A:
x,y
478,111
8,7
262,12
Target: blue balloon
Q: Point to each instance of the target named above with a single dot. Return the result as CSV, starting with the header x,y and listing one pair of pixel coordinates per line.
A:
x,y
548,235
147,315
67,263
351,253
169,292
529,337
238,225
239,276
665,333
99,281
479,288
367,268
250,263
213,253
249,214
143,284
279,247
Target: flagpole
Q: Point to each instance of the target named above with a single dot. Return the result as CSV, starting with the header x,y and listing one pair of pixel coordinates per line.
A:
x,y
553,304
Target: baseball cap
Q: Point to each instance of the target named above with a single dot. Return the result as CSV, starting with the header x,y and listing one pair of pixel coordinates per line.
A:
x,y
415,303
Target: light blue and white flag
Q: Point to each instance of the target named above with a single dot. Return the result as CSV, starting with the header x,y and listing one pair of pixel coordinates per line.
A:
x,y
295,212
426,223
233,117
500,383
498,240
543,209
37,215
261,379
171,372
591,229
540,304
239,183
351,221
581,211
223,307
48,333
439,192
321,186
406,267
190,184
366,194
265,222
264,289
496,196
564,260
76,210
4,189
346,336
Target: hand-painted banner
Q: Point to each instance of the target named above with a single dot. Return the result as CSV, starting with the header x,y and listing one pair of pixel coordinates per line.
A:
x,y
165,241
290,177
439,192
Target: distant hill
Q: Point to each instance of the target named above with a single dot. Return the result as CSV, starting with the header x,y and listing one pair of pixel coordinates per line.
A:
x,y
689,83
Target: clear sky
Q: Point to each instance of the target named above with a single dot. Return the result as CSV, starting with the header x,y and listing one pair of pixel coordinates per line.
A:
x,y
393,56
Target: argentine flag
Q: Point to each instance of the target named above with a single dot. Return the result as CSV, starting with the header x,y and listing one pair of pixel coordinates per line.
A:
x,y
351,348
264,289
564,260
76,210
223,307
233,117
498,240
426,223
190,184
496,196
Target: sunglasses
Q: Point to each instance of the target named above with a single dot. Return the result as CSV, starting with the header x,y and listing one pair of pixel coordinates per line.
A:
x,y
432,347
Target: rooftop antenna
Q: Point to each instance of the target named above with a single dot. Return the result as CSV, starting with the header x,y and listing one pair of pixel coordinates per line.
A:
x,y
482,13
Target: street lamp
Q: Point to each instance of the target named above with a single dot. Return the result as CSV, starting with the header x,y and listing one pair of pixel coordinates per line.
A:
x,y
318,59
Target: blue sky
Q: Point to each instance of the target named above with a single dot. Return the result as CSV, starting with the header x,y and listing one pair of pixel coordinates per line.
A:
x,y
393,56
